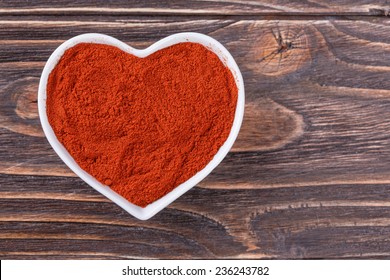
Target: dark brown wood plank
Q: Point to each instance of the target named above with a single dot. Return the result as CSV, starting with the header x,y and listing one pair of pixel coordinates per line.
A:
x,y
51,33
49,216
228,7
57,217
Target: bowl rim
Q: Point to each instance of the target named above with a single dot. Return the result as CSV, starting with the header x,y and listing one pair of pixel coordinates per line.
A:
x,y
158,205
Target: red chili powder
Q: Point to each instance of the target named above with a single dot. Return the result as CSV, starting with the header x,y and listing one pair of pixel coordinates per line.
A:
x,y
142,126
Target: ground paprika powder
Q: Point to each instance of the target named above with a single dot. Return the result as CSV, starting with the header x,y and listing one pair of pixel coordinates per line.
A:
x,y
141,126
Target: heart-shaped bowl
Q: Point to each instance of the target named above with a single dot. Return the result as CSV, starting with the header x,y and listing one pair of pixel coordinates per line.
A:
x,y
153,208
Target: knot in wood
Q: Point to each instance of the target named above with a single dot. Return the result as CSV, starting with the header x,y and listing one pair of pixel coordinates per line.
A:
x,y
268,126
25,97
281,51
19,108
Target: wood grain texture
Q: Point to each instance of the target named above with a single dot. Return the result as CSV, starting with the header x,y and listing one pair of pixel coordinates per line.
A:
x,y
309,175
69,218
177,7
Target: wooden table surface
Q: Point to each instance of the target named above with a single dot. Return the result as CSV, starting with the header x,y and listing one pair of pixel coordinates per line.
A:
x,y
309,176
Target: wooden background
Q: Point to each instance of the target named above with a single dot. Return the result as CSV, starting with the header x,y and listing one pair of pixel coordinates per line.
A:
x,y
309,176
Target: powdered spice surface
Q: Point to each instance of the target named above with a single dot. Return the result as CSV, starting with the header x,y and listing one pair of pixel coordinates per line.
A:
x,y
141,126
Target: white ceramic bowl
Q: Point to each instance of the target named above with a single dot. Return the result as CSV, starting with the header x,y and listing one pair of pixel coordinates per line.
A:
x,y
155,207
